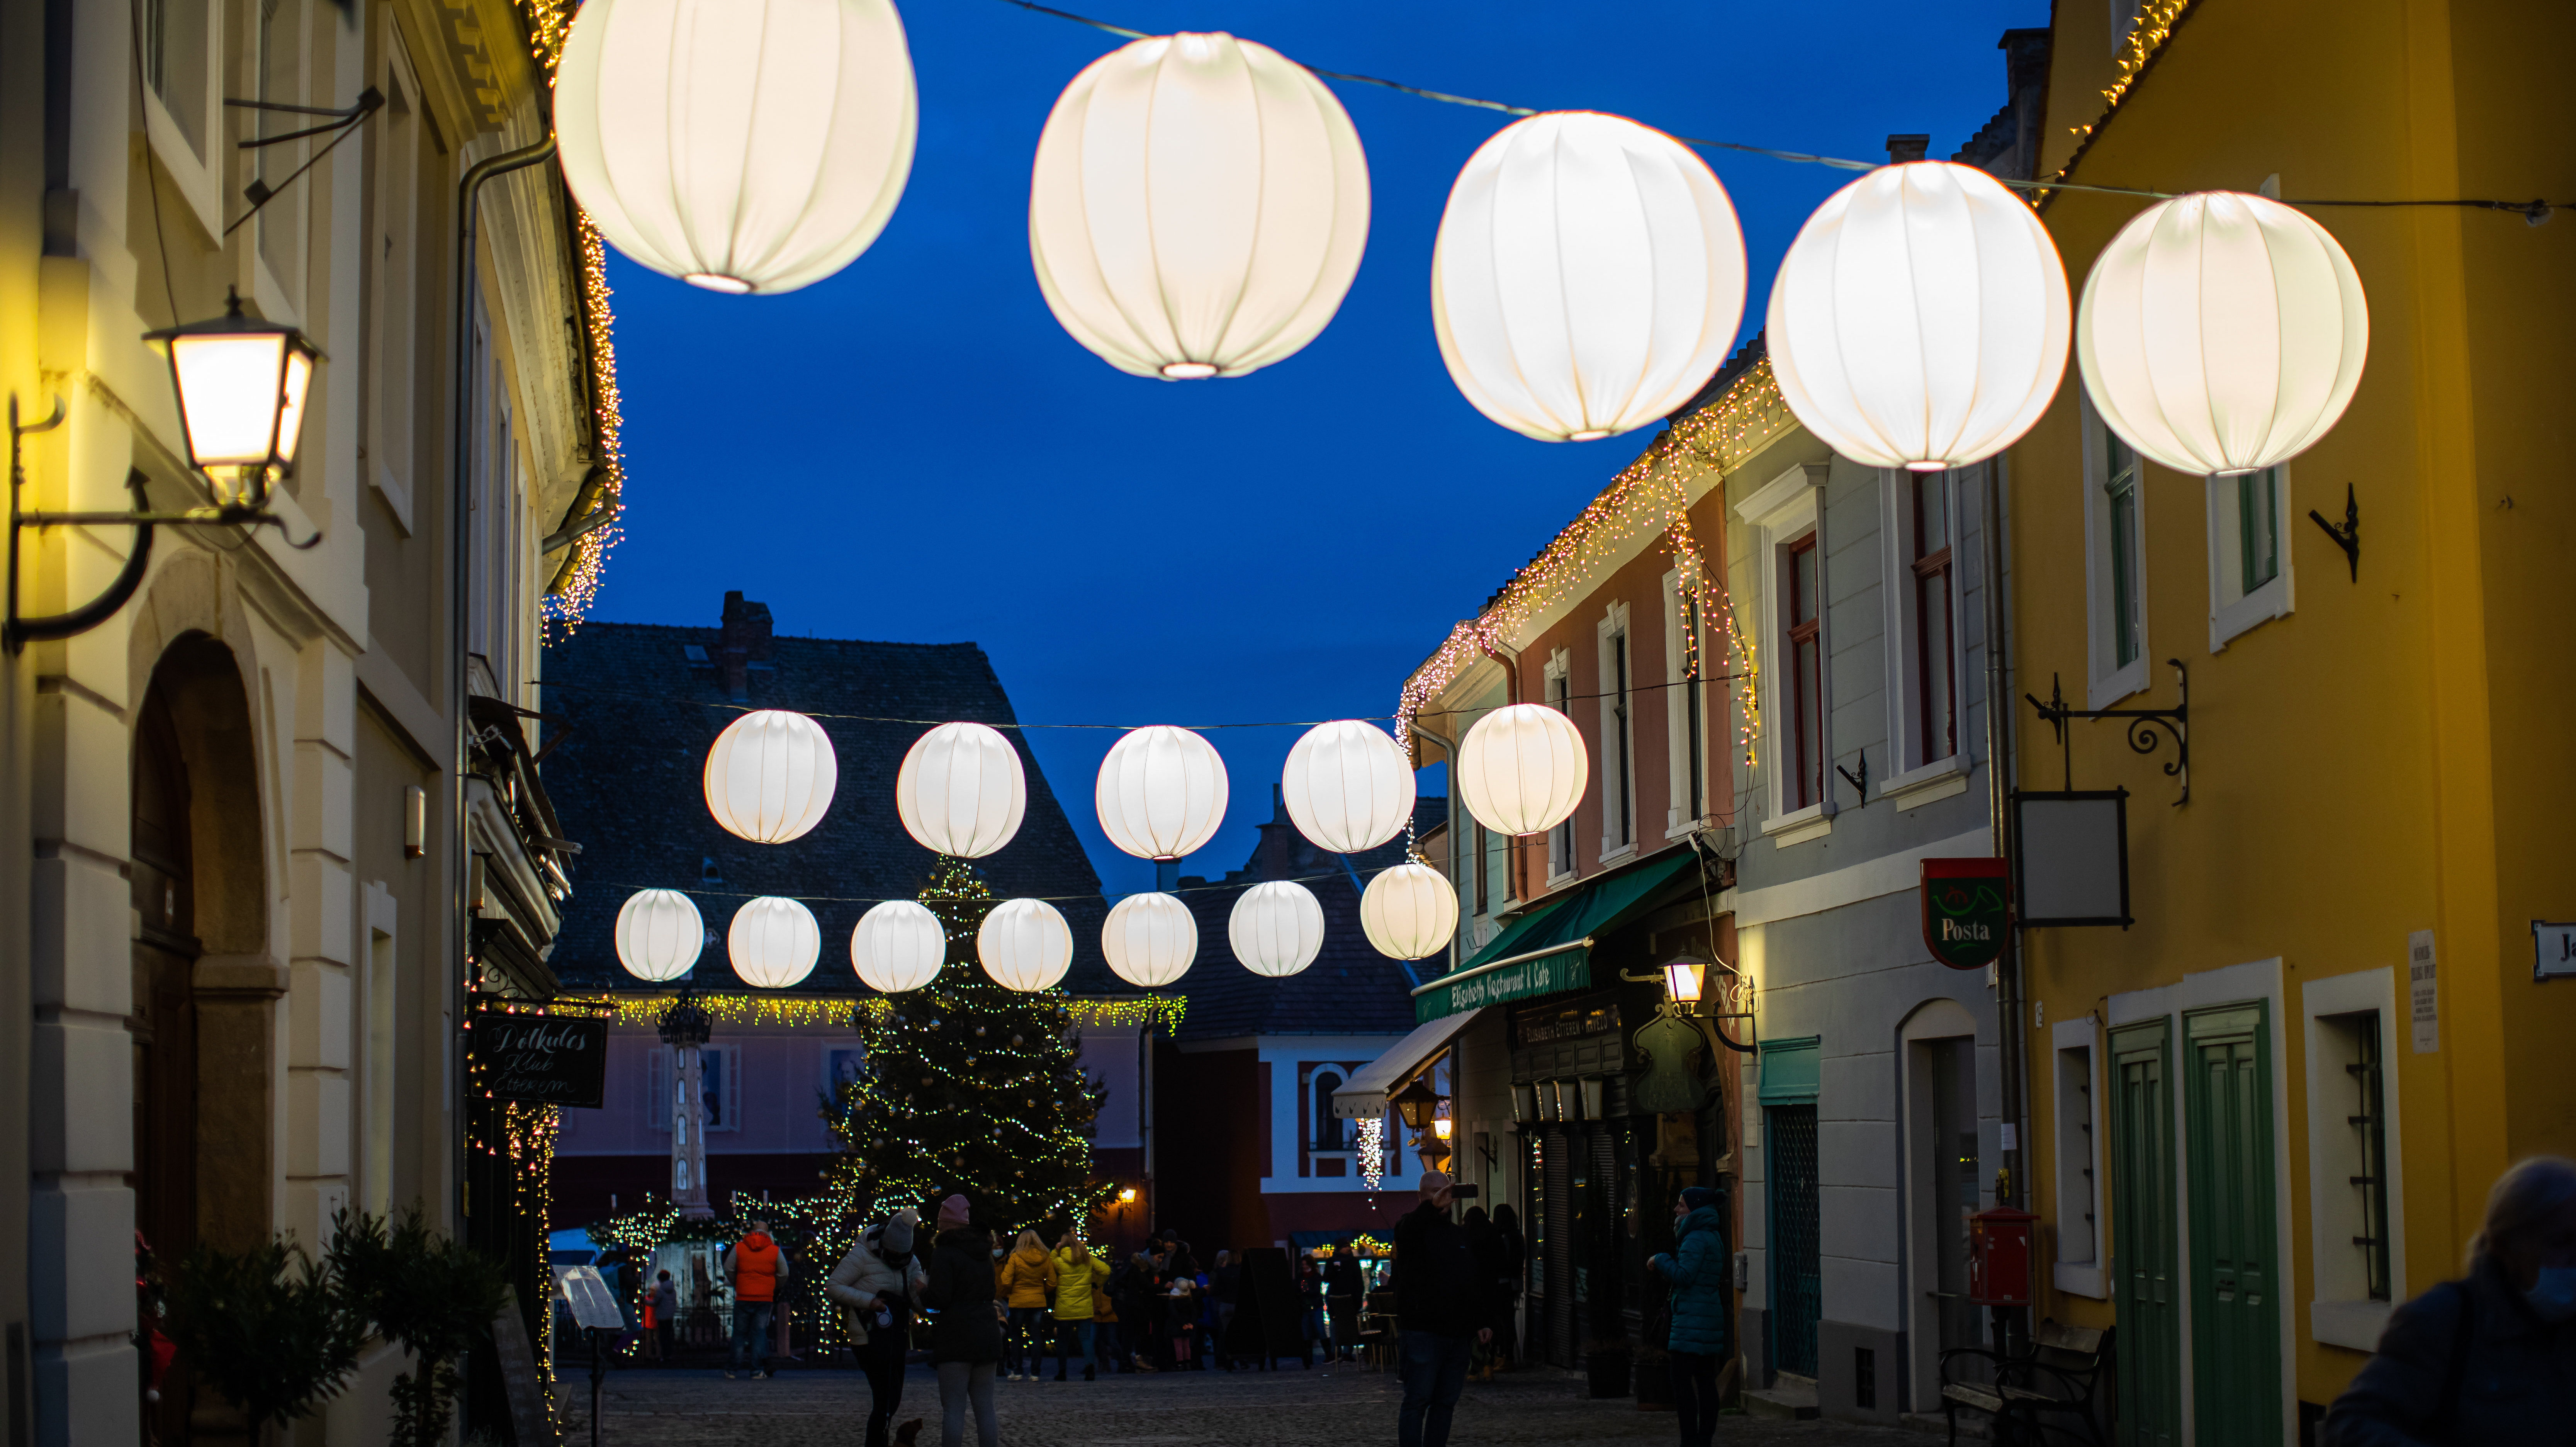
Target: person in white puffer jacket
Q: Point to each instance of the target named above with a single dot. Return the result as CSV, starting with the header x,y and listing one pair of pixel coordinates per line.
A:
x,y
880,1282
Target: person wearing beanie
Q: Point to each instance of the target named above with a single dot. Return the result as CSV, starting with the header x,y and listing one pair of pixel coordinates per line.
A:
x,y
879,1283
1443,1310
966,1330
1697,1268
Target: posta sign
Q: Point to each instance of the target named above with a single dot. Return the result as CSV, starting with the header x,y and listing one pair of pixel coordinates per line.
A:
x,y
1964,914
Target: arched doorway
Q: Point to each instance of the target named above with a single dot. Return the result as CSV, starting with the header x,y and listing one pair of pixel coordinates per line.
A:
x,y
164,1022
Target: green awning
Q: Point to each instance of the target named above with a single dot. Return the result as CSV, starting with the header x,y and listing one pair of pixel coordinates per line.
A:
x,y
1548,950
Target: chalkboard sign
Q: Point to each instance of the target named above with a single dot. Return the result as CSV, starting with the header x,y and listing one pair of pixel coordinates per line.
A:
x,y
1268,1321
525,1391
548,1060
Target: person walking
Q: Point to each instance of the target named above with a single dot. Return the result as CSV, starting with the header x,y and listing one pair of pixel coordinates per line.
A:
x,y
1487,1243
2490,1358
1028,1278
1225,1285
1078,1278
1507,1311
1344,1288
1698,1341
880,1282
661,1312
755,1266
966,1335
1310,1300
1443,1308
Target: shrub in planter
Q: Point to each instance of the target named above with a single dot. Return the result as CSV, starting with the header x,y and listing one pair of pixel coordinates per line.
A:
x,y
269,1329
430,1294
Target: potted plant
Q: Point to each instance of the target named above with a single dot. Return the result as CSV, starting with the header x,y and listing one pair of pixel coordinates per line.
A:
x,y
1605,1368
269,1329
430,1294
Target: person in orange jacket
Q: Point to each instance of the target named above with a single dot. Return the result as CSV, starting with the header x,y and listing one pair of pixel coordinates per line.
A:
x,y
755,1266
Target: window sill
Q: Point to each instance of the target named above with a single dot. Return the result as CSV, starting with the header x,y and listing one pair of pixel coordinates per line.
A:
x,y
2118,684
1624,851
2083,1278
1797,827
2235,620
1918,787
1556,882
2352,1324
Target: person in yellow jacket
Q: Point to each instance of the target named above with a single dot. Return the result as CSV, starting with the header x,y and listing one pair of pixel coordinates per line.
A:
x,y
1078,1279
1027,1278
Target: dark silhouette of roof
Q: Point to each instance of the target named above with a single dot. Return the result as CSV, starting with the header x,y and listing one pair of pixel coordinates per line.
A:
x,y
644,702
1350,989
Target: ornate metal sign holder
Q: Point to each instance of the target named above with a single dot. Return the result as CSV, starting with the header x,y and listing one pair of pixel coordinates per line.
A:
x,y
2147,728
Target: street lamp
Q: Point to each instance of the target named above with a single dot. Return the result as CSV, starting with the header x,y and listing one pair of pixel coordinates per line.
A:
x,y
1415,1103
242,385
1684,978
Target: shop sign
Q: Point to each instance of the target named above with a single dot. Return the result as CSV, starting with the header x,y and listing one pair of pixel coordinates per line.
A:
x,y
1570,1022
1963,911
550,1061
2553,951
1545,975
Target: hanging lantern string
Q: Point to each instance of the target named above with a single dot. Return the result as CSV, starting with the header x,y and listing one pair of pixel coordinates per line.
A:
x,y
1050,898
1633,688
2533,211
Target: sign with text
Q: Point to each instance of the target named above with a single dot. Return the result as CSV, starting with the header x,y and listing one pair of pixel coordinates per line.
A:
x,y
2423,991
2553,951
546,1060
1963,911
1567,969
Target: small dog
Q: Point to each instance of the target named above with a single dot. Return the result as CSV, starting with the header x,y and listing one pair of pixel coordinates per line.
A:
x,y
908,1434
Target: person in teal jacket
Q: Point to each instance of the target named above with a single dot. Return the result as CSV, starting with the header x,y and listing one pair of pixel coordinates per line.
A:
x,y
1701,1337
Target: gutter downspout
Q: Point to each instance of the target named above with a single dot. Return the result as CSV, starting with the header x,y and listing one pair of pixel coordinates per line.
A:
x,y
2012,1189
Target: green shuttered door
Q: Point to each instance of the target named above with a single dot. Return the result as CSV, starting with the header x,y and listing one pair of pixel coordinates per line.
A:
x,y
2235,1271
2142,1223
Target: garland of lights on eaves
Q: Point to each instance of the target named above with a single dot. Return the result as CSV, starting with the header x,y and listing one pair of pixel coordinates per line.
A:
x,y
740,1008
1651,494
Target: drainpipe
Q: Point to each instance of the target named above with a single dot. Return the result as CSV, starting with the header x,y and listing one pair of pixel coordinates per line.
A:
x,y
2012,1190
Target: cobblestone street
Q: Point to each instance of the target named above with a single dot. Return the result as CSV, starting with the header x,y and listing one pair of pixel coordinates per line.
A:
x,y
1325,1407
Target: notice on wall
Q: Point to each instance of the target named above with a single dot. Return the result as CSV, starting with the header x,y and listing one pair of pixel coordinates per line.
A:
x,y
2420,986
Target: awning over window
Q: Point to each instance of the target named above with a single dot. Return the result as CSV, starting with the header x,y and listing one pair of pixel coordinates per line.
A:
x,y
1363,1097
1550,949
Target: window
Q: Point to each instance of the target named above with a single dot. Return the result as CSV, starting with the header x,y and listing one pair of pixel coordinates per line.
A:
x,y
1328,1126
1617,765
1560,696
394,264
2357,1223
1936,691
1476,837
2249,560
1685,708
2120,503
174,39
1802,609
2078,1230
2369,1122
280,61
2115,564
720,1079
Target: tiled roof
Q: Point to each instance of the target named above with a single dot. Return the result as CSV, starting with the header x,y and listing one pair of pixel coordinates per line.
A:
x,y
626,782
1350,989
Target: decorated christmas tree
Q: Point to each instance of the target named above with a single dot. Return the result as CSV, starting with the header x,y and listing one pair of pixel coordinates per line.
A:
x,y
968,1087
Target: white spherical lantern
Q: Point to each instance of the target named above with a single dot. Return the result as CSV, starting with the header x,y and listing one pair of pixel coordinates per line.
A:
x,y
770,776
1150,940
1198,207
659,934
897,946
1347,786
1920,318
1588,276
774,942
961,790
1161,792
739,145
1409,911
1521,769
1276,928
1024,944
2221,333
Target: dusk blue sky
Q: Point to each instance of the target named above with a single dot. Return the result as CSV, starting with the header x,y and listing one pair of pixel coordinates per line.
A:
x,y
914,450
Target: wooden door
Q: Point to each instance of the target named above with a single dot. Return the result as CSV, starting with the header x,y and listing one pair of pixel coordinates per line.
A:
x,y
2146,1285
164,1027
2235,1245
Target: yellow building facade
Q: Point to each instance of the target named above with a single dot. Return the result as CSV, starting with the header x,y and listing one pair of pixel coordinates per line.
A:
x,y
2272,1106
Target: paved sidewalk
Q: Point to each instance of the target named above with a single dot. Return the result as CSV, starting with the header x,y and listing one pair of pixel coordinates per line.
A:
x,y
1339,1406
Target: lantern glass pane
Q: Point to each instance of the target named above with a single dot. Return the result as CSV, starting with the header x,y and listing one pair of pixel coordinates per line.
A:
x,y
229,394
1683,980
290,422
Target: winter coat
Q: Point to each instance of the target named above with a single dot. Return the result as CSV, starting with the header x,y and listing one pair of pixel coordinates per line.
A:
x,y
1076,1283
866,1273
961,1289
2467,1362
755,1266
1697,1268
665,1301
1440,1286
1027,1274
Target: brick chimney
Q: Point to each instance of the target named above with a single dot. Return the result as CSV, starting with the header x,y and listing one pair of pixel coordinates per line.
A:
x,y
743,636
1901,149
1275,857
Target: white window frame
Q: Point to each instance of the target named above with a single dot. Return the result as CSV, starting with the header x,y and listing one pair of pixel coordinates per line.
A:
x,y
2108,680
196,177
1780,512
278,295
2342,1314
1561,867
1611,636
2077,1114
2233,612
1909,773
1681,743
393,382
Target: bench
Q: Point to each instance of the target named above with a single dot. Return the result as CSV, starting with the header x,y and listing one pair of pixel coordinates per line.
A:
x,y
2052,1389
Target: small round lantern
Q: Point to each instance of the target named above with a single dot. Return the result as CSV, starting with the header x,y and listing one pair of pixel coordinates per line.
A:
x,y
1347,786
1276,928
1150,940
1161,792
1521,769
897,945
774,942
961,790
770,776
1024,944
659,934
1409,911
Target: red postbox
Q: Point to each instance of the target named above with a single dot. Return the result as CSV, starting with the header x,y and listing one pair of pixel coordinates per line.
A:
x,y
1999,1257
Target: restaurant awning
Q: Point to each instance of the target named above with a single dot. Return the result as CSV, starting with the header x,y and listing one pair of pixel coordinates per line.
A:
x,y
1363,1096
1550,949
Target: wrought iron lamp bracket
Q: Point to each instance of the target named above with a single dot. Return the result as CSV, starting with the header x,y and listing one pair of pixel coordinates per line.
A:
x,y
2147,728
2348,536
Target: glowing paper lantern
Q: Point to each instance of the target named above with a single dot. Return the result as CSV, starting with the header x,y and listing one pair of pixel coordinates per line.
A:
x,y
1521,769
961,790
1198,207
897,946
1588,276
1276,928
1024,944
1348,787
1161,792
1920,318
770,776
2221,333
739,145
659,934
1409,911
1150,940
774,942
